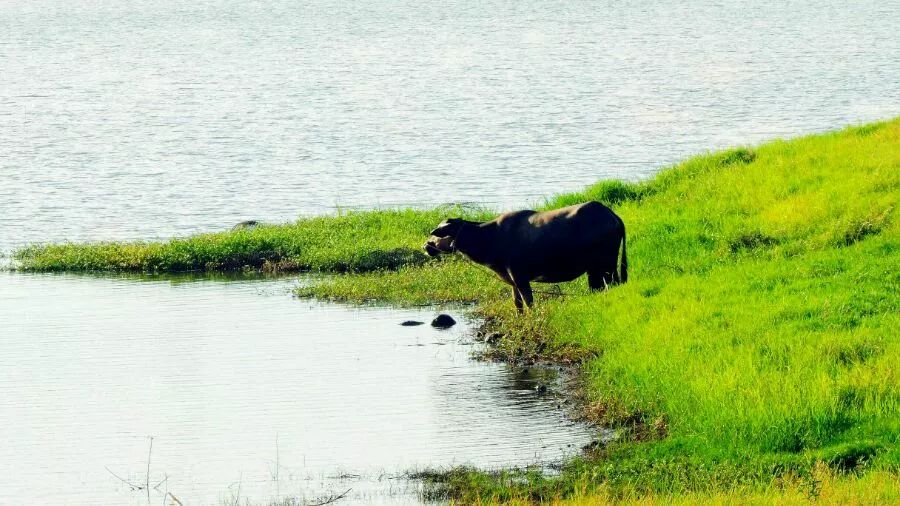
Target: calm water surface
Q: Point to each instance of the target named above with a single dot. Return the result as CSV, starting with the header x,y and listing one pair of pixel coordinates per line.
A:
x,y
153,119
231,378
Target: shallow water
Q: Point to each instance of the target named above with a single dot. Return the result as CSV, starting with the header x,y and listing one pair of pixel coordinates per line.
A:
x,y
230,377
151,119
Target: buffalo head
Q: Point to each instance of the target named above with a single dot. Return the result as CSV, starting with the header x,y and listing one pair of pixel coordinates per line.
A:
x,y
443,237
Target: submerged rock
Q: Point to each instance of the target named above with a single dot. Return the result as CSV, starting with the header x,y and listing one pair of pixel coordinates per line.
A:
x,y
412,323
443,321
593,445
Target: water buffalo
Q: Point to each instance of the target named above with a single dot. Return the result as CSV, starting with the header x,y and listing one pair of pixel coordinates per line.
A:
x,y
550,247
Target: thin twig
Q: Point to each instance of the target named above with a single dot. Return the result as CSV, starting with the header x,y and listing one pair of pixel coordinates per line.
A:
x,y
277,468
237,500
331,499
164,480
174,498
123,480
149,454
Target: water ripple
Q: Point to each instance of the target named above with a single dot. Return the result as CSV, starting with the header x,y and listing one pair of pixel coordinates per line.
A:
x,y
116,115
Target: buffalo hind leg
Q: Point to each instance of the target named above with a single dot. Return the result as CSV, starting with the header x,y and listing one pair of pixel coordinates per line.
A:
x,y
602,278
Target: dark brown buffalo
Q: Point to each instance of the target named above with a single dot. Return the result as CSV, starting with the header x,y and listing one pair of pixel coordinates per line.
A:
x,y
549,247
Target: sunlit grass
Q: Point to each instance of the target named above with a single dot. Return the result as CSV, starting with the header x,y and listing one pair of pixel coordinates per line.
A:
x,y
822,487
757,333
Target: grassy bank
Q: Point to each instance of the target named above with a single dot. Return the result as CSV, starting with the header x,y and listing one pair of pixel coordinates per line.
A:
x,y
756,339
757,335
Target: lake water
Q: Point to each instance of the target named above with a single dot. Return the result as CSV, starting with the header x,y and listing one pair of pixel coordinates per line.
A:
x,y
232,377
138,120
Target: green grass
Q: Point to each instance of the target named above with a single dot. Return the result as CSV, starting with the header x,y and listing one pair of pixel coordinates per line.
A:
x,y
756,337
351,242
820,486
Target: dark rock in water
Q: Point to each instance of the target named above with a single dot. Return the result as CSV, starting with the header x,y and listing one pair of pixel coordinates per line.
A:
x,y
593,445
246,224
411,323
541,389
443,321
493,338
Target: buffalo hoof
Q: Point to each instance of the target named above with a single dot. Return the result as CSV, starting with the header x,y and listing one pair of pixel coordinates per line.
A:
x,y
443,321
411,323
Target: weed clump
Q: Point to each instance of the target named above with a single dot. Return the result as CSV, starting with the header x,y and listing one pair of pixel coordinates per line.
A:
x,y
739,156
860,228
750,241
611,193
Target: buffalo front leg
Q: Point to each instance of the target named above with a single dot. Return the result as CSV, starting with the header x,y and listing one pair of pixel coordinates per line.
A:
x,y
517,298
523,288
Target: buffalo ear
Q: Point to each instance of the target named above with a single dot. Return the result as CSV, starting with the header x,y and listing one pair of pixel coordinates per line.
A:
x,y
447,227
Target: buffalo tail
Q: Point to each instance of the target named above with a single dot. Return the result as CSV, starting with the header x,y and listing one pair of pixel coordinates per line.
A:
x,y
623,267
